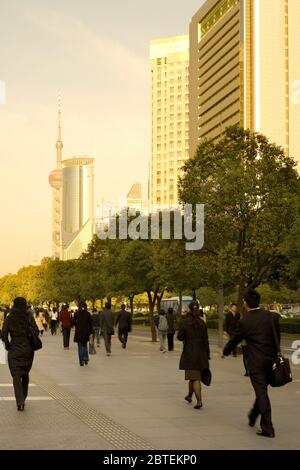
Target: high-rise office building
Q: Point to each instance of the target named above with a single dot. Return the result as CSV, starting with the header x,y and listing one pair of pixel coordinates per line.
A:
x,y
245,69
55,180
77,206
170,117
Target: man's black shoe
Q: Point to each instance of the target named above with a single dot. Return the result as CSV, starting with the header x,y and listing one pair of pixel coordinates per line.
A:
x,y
265,434
251,421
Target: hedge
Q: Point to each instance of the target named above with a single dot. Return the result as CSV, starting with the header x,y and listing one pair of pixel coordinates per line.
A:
x,y
286,325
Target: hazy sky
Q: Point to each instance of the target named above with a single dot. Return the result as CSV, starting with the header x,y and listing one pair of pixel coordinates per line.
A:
x,y
96,52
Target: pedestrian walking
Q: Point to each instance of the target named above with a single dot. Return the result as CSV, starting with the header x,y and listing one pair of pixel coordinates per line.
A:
x,y
258,327
107,321
96,327
171,328
124,321
195,355
53,321
83,332
47,319
66,322
162,328
231,321
20,353
39,321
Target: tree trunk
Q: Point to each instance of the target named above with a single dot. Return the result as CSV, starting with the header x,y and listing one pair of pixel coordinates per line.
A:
x,y
221,316
131,297
194,295
180,304
159,298
241,293
151,302
101,303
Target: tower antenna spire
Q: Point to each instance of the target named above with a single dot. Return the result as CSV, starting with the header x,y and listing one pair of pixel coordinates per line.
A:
x,y
59,144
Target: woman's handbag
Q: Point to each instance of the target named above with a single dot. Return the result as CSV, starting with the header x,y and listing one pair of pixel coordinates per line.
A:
x,y
206,377
35,341
281,373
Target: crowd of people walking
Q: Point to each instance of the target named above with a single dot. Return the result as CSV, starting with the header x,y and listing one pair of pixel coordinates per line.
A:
x,y
254,331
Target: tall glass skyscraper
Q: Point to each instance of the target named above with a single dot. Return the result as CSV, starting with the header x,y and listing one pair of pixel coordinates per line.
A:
x,y
245,69
77,205
170,117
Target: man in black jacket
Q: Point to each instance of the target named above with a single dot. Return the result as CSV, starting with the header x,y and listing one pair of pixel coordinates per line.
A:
x,y
124,321
258,328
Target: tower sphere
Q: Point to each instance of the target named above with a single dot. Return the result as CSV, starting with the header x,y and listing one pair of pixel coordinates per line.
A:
x,y
55,178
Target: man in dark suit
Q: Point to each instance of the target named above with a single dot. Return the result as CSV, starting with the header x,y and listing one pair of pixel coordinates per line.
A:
x,y
258,328
124,321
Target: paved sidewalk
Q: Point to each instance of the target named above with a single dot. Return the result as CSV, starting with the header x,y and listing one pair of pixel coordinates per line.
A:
x,y
134,399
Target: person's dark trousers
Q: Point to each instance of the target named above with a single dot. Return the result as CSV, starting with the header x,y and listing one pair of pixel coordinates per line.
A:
x,y
262,405
245,360
83,353
66,336
123,336
21,388
107,341
170,341
53,327
96,334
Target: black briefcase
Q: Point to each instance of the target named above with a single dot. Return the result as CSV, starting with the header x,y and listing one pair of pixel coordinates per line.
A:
x,y
281,373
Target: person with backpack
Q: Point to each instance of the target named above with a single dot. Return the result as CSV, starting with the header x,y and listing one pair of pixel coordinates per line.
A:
x,y
162,328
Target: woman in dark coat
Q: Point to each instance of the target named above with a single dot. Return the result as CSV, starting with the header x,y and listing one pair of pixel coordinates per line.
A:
x,y
195,354
20,352
83,331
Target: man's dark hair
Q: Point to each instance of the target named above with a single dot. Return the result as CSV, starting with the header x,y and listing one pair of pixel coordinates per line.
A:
x,y
20,303
252,298
233,305
123,306
107,305
82,306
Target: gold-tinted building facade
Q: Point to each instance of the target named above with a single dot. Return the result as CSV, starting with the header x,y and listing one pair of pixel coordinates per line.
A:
x,y
244,69
170,117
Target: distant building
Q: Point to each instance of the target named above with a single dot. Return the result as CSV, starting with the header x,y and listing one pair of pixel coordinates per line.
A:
x,y
77,206
170,117
134,199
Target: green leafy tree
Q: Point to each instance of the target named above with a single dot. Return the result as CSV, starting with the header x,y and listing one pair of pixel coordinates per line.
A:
x,y
251,193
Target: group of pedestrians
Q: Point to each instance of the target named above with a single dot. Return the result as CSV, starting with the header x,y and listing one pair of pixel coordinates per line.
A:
x,y
89,328
259,328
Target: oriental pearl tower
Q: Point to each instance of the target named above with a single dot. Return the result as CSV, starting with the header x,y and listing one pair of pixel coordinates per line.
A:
x,y
56,182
